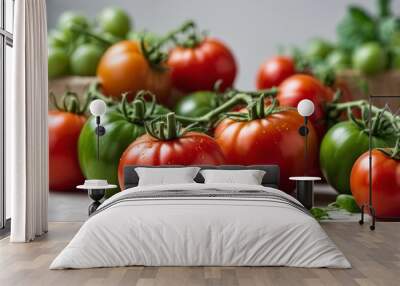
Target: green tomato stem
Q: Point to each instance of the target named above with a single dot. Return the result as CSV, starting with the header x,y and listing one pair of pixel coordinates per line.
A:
x,y
359,104
360,123
73,105
103,41
212,115
376,123
396,150
164,127
87,100
173,33
261,106
273,91
171,126
95,93
383,123
124,108
139,110
141,95
256,108
253,111
70,102
154,54
161,131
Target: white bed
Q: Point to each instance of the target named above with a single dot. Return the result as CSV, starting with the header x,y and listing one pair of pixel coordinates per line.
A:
x,y
246,225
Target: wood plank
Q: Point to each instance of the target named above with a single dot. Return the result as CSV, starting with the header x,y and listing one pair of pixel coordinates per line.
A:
x,y
375,257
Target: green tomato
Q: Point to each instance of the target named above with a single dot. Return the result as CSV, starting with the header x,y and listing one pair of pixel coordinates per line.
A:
x,y
318,49
389,30
85,58
348,203
339,60
114,21
120,133
370,58
357,27
58,62
59,39
110,37
70,18
197,104
340,148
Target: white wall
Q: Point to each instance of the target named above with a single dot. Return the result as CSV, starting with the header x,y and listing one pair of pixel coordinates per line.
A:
x,y
253,29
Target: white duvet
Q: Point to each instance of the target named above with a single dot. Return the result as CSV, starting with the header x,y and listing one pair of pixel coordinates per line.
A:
x,y
204,231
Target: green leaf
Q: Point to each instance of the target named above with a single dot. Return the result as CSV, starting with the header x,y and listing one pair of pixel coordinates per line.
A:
x,y
389,31
348,203
384,8
356,28
319,213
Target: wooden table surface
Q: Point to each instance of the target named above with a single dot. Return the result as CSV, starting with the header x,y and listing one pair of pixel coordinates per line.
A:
x,y
375,257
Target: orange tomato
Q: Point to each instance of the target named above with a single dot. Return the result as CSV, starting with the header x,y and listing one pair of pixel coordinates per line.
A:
x,y
123,68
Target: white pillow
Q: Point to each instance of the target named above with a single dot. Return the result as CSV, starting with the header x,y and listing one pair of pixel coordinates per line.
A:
x,y
248,177
164,176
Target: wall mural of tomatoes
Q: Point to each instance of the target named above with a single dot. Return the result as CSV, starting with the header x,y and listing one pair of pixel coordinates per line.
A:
x,y
142,76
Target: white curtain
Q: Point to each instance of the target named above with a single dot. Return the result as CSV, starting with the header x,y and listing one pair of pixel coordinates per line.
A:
x,y
26,123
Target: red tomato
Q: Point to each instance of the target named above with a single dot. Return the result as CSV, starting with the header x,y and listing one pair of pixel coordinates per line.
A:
x,y
385,183
123,68
342,85
200,67
271,140
193,148
64,129
273,71
299,87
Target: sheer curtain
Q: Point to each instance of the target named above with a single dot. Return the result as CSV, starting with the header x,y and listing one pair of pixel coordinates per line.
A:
x,y
26,123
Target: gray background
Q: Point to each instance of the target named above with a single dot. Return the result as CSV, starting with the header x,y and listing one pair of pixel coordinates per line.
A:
x,y
253,29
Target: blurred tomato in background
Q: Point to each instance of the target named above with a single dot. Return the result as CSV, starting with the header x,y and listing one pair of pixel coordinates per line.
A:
x,y
300,86
273,71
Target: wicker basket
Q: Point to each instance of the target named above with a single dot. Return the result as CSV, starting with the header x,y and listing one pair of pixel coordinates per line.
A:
x,y
384,84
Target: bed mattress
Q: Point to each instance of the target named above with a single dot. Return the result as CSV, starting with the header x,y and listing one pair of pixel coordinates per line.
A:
x,y
201,225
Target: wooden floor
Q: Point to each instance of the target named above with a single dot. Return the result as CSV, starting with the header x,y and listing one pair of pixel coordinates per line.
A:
x,y
375,257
